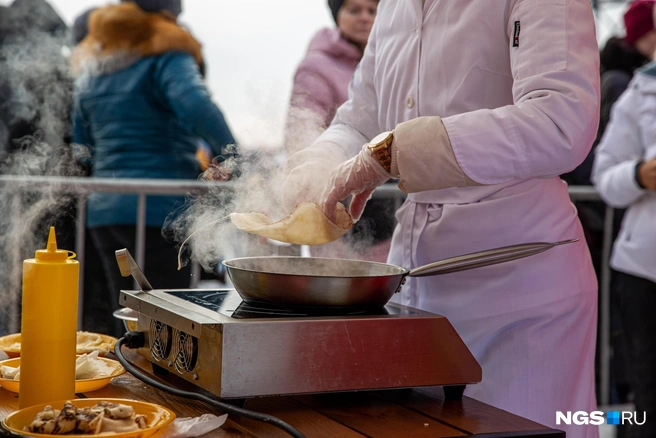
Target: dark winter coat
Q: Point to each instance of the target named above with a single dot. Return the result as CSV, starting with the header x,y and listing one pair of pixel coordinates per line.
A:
x,y
140,107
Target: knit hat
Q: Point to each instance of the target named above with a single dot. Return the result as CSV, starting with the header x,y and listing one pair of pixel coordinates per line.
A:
x,y
335,6
81,26
172,6
638,20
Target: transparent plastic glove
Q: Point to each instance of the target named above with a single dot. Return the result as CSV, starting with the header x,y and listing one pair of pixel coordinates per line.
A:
x,y
358,176
307,172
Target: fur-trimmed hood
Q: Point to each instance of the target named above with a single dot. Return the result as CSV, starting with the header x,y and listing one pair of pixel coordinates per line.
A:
x,y
121,34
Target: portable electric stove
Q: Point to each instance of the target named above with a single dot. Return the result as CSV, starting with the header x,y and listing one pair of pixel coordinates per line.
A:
x,y
235,349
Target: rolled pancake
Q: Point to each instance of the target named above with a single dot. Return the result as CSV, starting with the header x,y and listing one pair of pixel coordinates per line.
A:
x,y
306,225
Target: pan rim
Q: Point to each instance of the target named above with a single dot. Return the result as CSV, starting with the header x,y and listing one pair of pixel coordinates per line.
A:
x,y
403,272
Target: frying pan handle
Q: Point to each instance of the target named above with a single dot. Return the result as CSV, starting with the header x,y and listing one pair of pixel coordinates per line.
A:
x,y
485,258
128,267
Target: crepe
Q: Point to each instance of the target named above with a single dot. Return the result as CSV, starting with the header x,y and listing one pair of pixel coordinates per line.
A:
x,y
89,342
86,343
87,366
306,225
104,418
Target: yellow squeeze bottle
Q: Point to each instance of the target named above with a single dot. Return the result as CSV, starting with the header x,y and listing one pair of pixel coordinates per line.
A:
x,y
49,326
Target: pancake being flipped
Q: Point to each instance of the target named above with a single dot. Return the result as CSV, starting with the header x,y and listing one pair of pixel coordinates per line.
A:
x,y
305,225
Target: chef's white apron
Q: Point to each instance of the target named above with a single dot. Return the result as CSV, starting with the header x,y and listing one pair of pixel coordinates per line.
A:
x,y
530,323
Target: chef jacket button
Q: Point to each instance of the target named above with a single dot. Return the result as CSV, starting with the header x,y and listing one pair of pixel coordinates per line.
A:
x,y
410,102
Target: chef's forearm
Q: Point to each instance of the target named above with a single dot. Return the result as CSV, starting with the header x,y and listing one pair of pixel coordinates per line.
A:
x,y
348,139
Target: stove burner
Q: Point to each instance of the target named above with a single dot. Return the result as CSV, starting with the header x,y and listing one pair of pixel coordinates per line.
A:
x,y
253,309
229,303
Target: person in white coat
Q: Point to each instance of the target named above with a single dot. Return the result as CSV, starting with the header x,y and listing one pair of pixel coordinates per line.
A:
x,y
624,173
481,106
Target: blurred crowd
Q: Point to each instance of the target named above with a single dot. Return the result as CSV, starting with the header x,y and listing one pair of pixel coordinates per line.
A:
x,y
121,94
620,165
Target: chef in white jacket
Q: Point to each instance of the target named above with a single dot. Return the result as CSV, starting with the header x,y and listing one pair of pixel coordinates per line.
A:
x,y
477,107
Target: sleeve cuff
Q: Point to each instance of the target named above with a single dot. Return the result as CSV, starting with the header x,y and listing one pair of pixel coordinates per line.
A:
x,y
394,167
423,159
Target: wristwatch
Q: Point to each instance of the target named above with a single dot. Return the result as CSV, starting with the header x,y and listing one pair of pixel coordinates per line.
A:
x,y
380,147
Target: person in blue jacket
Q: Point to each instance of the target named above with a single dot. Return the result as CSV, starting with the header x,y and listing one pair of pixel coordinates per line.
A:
x,y
140,107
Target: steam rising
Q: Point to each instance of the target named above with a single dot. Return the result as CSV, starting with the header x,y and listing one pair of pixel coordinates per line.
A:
x,y
302,129
256,190
35,96
35,91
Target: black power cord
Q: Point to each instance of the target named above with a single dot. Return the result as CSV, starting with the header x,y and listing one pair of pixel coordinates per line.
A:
x,y
134,339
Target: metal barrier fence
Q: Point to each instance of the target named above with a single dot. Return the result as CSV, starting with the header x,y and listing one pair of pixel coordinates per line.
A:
x,y
80,187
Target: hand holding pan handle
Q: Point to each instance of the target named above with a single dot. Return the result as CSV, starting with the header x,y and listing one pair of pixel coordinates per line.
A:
x,y
484,258
128,267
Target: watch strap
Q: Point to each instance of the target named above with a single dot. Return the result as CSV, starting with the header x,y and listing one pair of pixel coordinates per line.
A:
x,y
382,152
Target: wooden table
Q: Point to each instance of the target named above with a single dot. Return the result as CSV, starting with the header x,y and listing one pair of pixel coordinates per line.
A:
x,y
420,412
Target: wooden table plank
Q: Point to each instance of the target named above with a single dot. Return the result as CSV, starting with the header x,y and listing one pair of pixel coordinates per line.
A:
x,y
8,402
308,421
469,415
311,422
373,416
130,387
420,412
127,386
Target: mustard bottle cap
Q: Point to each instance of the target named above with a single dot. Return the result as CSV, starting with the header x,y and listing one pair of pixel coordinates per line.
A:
x,y
51,253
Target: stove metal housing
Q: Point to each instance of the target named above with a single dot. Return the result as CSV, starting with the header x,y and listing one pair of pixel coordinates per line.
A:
x,y
280,355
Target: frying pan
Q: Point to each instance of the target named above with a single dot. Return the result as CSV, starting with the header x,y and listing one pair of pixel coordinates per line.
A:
x,y
326,282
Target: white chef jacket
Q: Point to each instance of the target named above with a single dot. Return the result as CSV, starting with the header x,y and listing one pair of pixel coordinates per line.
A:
x,y
516,83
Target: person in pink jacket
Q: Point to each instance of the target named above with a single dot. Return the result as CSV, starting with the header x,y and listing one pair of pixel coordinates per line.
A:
x,y
476,108
322,78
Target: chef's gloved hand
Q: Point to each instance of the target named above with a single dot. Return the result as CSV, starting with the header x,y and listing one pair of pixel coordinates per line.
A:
x,y
307,172
360,176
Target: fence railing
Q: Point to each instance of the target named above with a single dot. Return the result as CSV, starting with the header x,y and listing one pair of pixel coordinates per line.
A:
x,y
80,187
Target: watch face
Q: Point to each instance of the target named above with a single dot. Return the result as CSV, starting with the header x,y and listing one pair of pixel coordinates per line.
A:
x,y
380,138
